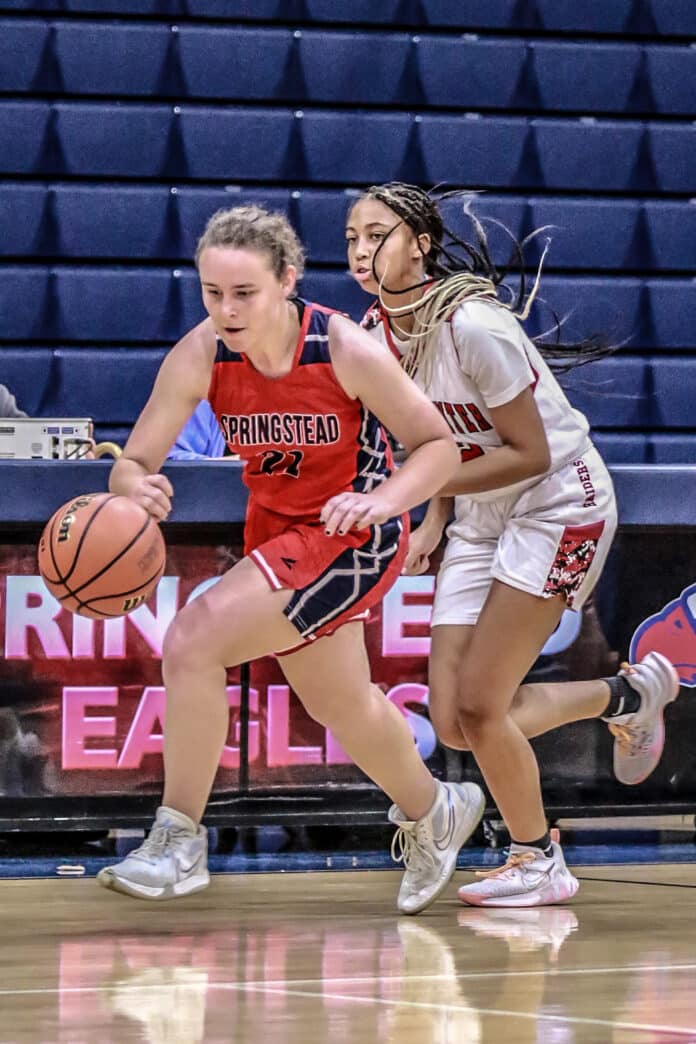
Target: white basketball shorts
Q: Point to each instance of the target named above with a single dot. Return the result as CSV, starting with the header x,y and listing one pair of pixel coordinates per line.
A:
x,y
552,539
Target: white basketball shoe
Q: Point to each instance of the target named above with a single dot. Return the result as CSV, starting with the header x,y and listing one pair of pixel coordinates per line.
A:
x,y
171,862
530,877
429,846
639,738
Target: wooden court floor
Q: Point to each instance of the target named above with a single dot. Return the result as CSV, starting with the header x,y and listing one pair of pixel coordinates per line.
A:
x,y
323,957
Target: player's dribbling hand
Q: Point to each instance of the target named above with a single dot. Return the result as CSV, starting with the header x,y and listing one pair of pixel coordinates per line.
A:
x,y
354,511
154,493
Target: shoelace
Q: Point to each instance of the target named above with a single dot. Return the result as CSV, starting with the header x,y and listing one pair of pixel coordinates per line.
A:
x,y
155,843
407,849
514,860
631,738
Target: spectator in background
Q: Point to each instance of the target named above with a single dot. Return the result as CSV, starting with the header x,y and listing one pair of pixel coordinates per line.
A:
x,y
8,404
200,437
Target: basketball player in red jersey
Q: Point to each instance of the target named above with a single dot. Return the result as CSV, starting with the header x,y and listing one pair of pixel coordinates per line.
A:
x,y
301,395
534,516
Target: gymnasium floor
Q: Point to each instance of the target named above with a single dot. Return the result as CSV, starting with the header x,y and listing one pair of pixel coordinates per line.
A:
x,y
314,957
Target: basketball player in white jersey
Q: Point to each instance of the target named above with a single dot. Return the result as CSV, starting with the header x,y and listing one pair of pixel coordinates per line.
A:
x,y
534,517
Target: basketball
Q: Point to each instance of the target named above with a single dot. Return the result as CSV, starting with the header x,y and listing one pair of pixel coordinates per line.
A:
x,y
101,555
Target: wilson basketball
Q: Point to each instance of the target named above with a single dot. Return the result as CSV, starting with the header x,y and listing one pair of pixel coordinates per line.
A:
x,y
101,555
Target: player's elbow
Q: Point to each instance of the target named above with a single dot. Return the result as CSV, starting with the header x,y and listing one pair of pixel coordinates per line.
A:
x,y
537,459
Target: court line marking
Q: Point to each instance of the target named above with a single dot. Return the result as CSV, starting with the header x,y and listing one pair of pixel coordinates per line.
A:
x,y
283,984
656,884
646,1027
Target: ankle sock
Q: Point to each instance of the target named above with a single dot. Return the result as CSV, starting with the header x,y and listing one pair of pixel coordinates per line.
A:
x,y
623,700
543,843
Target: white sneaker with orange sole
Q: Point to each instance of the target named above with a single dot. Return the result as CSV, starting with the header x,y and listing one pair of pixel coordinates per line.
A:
x,y
639,738
530,877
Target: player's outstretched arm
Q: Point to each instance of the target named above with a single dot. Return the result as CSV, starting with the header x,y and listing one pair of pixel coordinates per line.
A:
x,y
370,373
180,385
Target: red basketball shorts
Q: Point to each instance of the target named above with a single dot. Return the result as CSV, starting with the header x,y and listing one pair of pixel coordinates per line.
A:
x,y
334,578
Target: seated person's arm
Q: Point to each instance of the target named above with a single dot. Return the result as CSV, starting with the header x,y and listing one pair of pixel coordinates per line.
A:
x,y
200,438
8,404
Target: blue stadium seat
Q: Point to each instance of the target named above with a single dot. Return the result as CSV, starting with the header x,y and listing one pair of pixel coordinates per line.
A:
x,y
116,304
474,74
645,447
592,16
589,154
673,17
21,54
674,156
622,392
356,68
586,233
23,153
197,205
241,144
107,58
106,140
111,385
237,63
348,147
474,151
674,382
102,7
457,14
23,300
21,207
472,14
117,433
191,311
320,220
582,78
672,310
610,308
117,221
267,10
672,73
113,221
671,231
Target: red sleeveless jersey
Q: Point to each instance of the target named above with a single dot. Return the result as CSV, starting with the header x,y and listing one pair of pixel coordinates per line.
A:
x,y
302,439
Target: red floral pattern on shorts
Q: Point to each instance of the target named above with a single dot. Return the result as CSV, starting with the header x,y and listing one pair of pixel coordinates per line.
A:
x,y
574,556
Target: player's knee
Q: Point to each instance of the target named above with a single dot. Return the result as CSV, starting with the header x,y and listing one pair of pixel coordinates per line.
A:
x,y
475,711
184,642
443,718
449,733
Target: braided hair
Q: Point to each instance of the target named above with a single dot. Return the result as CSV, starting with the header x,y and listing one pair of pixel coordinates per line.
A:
x,y
459,271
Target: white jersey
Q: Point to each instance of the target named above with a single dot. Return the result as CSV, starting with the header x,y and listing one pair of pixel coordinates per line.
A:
x,y
484,359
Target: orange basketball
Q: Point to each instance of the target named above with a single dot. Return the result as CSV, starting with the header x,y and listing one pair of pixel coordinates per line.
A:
x,y
101,555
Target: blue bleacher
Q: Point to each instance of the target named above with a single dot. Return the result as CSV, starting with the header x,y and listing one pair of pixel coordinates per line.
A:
x,y
273,64
582,78
125,123
648,448
470,73
150,304
635,392
671,231
637,17
23,152
139,141
673,156
22,46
